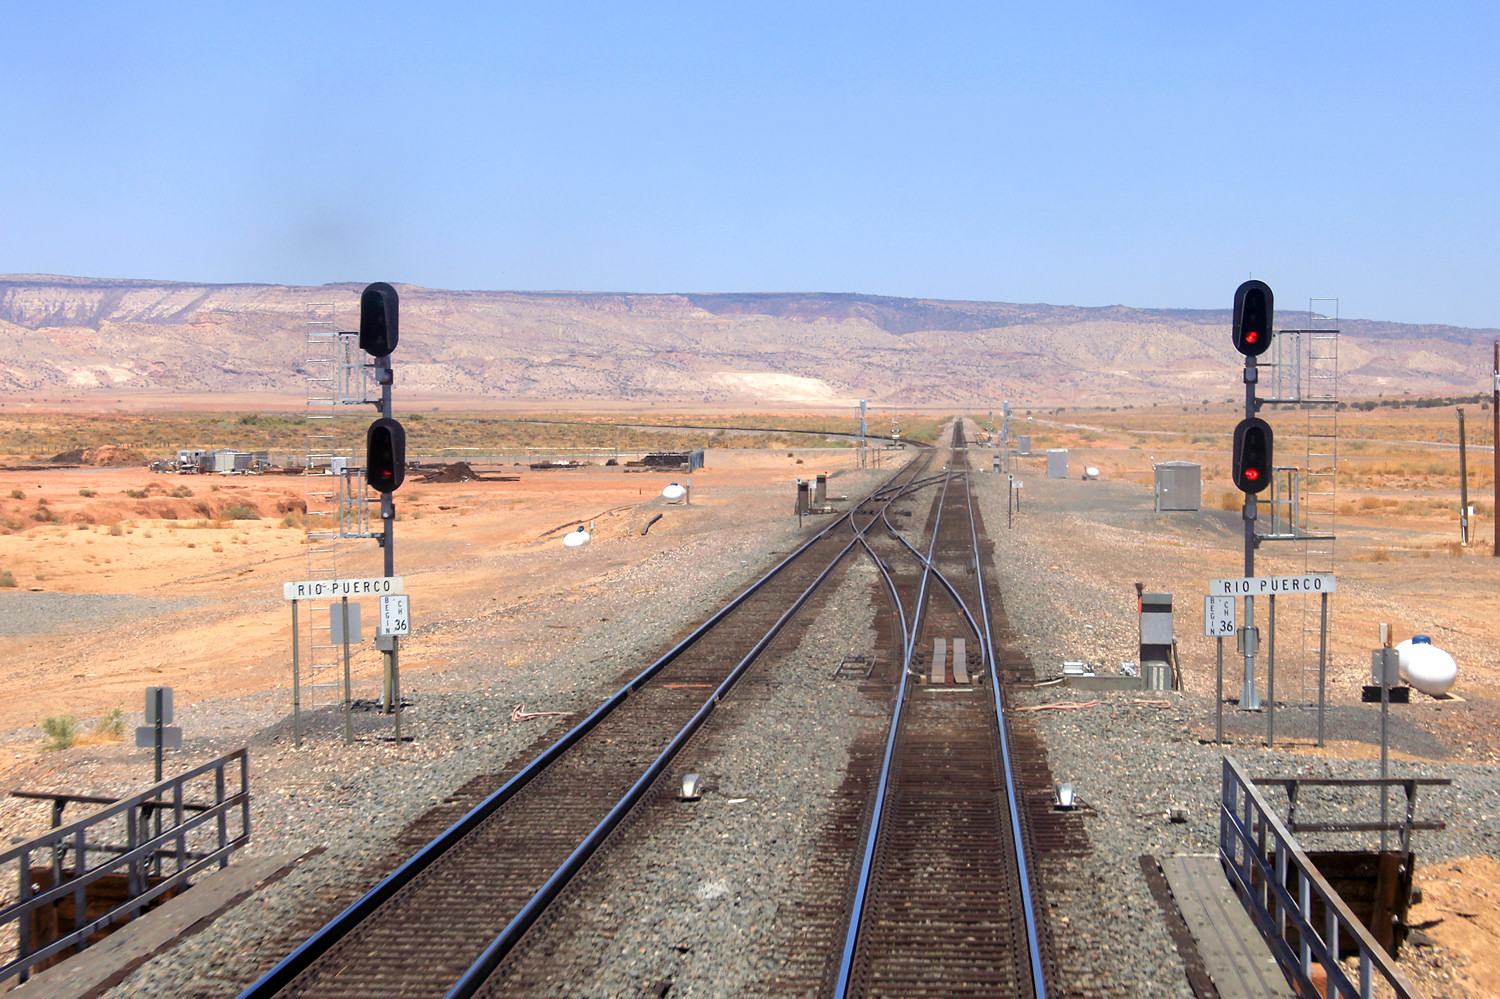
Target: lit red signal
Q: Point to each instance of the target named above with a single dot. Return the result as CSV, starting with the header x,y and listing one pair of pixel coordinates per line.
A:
x,y
1253,446
385,455
1254,308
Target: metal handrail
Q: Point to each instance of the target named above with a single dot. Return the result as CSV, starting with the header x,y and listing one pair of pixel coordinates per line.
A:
x,y
133,859
1259,855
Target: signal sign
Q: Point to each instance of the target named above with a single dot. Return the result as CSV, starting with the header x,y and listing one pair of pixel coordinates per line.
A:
x,y
379,319
385,455
1254,308
1253,443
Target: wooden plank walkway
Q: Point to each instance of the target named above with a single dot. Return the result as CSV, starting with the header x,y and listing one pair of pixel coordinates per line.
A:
x,y
1235,956
107,962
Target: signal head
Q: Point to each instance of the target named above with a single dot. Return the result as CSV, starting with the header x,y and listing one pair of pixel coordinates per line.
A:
x,y
1253,446
379,319
1254,309
385,455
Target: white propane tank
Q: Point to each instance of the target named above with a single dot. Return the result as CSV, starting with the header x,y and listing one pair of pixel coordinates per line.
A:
x,y
1091,472
575,539
673,493
1425,666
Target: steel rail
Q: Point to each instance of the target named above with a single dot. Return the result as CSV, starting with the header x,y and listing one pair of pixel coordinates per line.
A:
x,y
1033,938
942,579
872,836
326,937
474,978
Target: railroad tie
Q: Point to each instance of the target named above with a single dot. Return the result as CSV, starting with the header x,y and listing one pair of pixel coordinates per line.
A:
x,y
960,662
939,674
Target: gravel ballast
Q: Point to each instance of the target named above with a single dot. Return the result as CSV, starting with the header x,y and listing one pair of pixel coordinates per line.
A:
x,y
1065,570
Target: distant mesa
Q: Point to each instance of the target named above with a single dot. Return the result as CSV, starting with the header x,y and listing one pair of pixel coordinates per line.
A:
x,y
82,339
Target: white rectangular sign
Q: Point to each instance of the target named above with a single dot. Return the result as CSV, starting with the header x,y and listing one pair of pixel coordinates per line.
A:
x,y
1218,617
395,616
333,589
1265,586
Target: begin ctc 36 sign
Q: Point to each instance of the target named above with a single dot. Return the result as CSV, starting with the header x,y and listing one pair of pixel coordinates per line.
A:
x,y
1267,586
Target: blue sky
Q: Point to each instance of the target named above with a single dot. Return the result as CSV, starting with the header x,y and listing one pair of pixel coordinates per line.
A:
x,y
1147,154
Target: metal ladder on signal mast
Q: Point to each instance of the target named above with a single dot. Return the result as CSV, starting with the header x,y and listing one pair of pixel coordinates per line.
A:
x,y
1302,506
1319,506
335,495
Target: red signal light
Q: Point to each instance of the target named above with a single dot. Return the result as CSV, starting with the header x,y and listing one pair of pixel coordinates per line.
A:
x,y
1253,311
1252,464
385,455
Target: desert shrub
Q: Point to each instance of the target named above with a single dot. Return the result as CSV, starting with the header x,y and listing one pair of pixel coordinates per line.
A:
x,y
17,494
1230,501
242,511
136,493
116,530
1380,553
61,732
7,578
86,492
110,728
181,492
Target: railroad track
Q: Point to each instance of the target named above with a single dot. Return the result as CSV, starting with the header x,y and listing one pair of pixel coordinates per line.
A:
x,y
899,905
943,904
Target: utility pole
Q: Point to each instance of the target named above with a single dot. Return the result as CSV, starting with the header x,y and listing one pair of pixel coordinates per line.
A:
x,y
1463,482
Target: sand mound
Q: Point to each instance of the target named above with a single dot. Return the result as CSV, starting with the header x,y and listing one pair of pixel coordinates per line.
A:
x,y
459,471
107,456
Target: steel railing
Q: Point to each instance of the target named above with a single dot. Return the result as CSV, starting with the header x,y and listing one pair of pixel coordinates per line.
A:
x,y
1279,887
147,845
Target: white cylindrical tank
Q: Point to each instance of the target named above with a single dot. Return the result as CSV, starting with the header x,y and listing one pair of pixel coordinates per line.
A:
x,y
1091,472
574,539
673,492
1425,666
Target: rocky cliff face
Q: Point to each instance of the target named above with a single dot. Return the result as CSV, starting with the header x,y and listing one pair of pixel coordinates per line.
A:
x,y
75,336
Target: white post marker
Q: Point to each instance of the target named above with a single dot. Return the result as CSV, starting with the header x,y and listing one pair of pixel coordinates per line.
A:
x,y
395,615
1219,618
1219,623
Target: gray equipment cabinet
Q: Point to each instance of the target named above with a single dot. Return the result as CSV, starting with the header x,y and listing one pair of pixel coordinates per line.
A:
x,y
1156,640
1179,486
